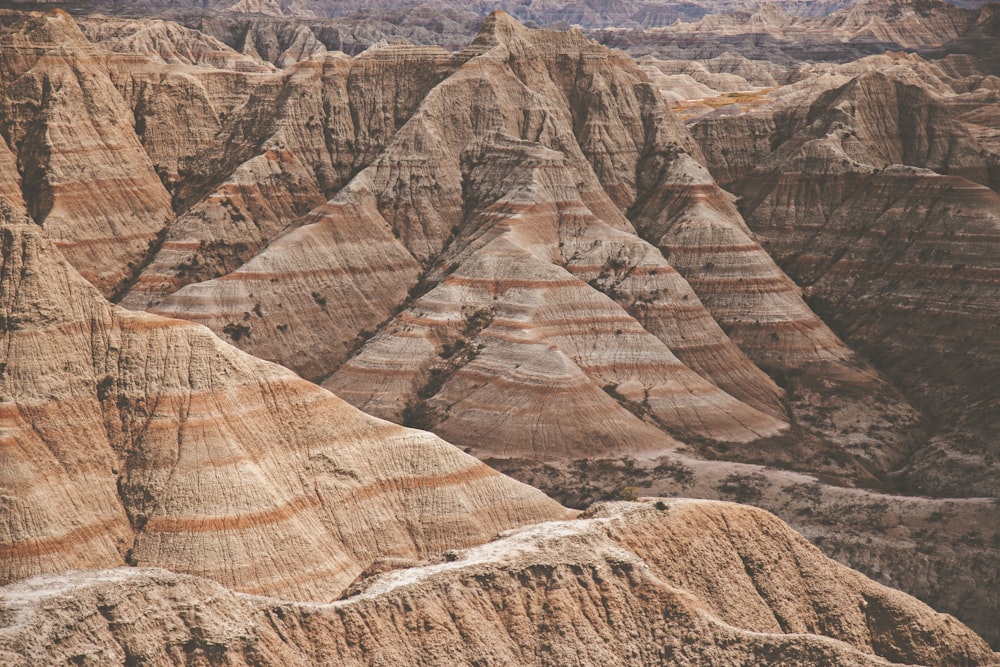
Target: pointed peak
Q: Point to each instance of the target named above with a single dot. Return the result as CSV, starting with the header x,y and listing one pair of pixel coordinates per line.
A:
x,y
498,28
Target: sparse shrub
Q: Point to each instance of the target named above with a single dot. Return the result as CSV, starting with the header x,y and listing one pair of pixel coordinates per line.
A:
x,y
236,332
744,488
417,414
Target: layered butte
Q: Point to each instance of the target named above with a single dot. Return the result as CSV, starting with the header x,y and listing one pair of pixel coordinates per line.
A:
x,y
132,438
525,247
417,217
84,173
877,198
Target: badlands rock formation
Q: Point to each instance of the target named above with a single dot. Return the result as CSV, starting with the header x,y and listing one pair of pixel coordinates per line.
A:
x,y
430,226
132,438
766,32
519,247
86,178
675,582
875,197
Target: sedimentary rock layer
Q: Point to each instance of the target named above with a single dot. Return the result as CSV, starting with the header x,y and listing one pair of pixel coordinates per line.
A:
x,y
487,186
874,197
133,438
734,586
84,174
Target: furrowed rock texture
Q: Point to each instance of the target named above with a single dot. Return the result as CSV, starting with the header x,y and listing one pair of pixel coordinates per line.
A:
x,y
518,247
431,214
911,543
407,164
132,438
307,289
84,175
674,204
598,591
906,268
874,197
168,43
767,33
911,23
506,339
295,140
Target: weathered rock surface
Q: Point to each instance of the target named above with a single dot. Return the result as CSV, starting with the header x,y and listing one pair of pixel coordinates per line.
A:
x,y
167,42
519,247
765,32
84,174
896,257
454,178
733,586
480,372
301,303
294,141
910,543
129,437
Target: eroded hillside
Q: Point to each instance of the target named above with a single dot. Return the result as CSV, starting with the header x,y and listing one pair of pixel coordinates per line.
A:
x,y
525,247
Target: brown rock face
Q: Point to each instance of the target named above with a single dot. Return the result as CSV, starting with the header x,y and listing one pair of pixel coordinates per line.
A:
x,y
519,247
455,184
292,141
543,332
734,586
129,437
417,151
84,174
168,43
779,34
896,257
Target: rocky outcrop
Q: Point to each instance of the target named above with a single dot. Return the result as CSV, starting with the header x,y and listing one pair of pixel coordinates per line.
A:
x,y
769,32
457,175
902,266
168,43
735,586
291,143
543,331
912,23
519,247
880,246
84,175
132,438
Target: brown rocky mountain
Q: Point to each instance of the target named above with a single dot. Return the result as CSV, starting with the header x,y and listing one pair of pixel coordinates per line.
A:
x,y
676,582
132,438
519,247
60,153
317,293
766,32
876,199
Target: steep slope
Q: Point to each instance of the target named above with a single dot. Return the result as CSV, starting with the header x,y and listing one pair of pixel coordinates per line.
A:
x,y
167,42
133,438
293,141
598,591
911,23
450,241
904,268
85,176
418,217
505,324
480,137
870,197
770,33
